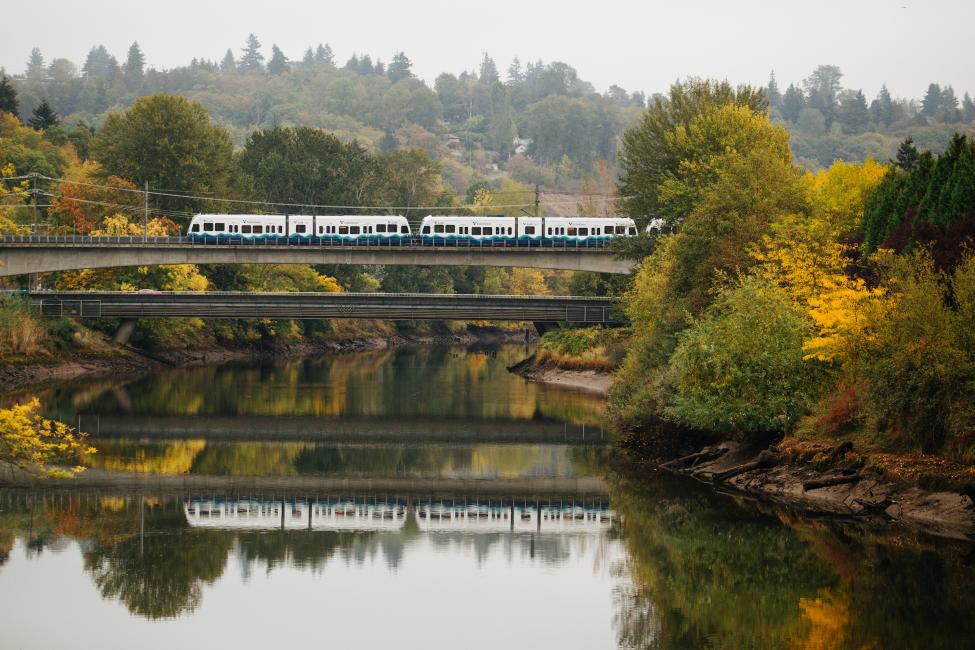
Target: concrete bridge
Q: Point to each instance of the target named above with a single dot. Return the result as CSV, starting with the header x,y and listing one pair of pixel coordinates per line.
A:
x,y
46,253
308,306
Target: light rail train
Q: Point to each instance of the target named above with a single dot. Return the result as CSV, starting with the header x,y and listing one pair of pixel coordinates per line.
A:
x,y
395,230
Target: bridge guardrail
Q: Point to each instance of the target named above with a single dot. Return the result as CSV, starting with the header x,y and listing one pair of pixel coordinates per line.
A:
x,y
240,241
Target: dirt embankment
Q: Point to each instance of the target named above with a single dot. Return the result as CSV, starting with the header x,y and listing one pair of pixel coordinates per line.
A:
x,y
595,381
130,362
826,478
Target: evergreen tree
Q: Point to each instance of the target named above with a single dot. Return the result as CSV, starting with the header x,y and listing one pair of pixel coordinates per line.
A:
x,y
353,63
309,57
882,110
35,65
959,195
365,64
822,88
515,76
489,71
932,206
792,103
278,63
967,108
853,113
907,155
380,68
773,93
8,96
228,64
43,117
251,59
639,99
100,64
399,68
932,101
948,110
323,54
388,142
134,67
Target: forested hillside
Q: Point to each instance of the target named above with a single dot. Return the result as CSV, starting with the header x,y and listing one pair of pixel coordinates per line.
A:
x,y
534,123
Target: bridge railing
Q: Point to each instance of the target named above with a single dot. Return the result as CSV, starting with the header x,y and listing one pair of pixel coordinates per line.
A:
x,y
315,242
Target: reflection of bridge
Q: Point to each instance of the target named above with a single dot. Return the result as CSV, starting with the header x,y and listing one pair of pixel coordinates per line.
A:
x,y
391,513
344,429
42,254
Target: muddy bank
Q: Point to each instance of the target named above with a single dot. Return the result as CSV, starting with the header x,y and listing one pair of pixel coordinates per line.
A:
x,y
823,478
131,362
596,381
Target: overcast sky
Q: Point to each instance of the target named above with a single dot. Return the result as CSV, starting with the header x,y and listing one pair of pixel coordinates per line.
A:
x,y
638,44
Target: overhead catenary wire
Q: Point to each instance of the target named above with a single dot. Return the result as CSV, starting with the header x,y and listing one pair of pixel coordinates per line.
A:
x,y
601,198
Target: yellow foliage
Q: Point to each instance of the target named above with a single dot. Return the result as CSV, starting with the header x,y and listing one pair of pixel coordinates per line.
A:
x,y
829,621
838,194
34,443
14,195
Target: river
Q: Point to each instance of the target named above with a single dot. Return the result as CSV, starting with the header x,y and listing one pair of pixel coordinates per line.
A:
x,y
427,498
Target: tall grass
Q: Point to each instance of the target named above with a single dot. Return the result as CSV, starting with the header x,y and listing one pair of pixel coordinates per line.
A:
x,y
21,334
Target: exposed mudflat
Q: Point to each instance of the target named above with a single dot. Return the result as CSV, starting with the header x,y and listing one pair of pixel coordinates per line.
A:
x,y
595,381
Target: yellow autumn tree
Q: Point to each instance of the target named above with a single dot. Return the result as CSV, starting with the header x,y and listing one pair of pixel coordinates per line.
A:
x,y
804,255
35,444
11,196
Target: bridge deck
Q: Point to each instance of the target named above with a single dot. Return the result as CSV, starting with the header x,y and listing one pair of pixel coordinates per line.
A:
x,y
213,304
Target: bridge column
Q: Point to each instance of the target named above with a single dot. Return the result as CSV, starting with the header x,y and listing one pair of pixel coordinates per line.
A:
x,y
124,332
542,327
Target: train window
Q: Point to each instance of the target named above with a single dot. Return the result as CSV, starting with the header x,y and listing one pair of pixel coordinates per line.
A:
x,y
300,228
438,227
475,230
595,231
529,230
583,232
258,230
572,232
208,227
450,229
343,230
632,231
380,227
354,230
405,230
509,230
195,228
220,227
245,229
426,230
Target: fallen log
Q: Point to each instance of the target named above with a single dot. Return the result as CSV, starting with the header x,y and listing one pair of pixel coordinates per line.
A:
x,y
705,454
765,460
816,484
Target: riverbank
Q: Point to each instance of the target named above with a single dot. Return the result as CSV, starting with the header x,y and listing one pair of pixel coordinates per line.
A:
x,y
591,380
119,361
925,493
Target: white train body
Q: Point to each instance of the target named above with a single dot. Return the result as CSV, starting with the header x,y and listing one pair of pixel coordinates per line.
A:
x,y
299,228
525,231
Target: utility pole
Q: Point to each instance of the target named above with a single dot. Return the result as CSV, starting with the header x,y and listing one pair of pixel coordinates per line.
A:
x,y
145,217
33,194
536,199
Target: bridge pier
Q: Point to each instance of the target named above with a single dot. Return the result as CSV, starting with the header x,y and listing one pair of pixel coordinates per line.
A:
x,y
124,331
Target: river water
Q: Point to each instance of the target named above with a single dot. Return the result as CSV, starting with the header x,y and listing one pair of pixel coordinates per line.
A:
x,y
427,498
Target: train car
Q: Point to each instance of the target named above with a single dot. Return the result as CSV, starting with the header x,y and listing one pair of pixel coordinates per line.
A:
x,y
227,228
455,230
299,229
656,226
585,231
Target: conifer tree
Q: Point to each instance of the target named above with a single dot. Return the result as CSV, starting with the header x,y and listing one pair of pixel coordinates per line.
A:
x,y
251,59
323,54
278,63
399,68
35,65
309,58
967,108
515,75
853,113
134,67
489,71
8,96
907,155
43,117
228,64
772,92
792,103
882,108
932,101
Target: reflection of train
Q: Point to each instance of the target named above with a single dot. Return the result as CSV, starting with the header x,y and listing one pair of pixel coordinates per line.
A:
x,y
382,514
445,230
346,514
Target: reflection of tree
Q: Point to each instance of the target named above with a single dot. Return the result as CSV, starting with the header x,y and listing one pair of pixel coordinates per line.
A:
x,y
160,575
716,574
174,457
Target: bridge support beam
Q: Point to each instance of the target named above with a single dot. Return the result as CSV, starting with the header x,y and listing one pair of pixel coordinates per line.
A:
x,y
124,331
